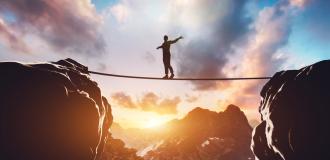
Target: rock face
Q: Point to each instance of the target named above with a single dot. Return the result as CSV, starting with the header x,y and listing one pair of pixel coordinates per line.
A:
x,y
115,150
207,135
51,111
294,111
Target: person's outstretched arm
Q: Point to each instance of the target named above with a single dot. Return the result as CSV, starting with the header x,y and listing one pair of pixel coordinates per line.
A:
x,y
176,40
160,47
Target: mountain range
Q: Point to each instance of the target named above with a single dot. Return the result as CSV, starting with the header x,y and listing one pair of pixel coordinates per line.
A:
x,y
201,134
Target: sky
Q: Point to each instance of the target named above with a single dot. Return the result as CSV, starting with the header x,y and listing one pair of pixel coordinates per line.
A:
x,y
222,38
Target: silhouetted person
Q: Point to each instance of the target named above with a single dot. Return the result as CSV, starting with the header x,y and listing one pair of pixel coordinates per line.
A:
x,y
166,46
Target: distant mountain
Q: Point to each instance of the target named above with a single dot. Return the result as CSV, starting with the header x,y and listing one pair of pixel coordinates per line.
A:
x,y
137,138
204,134
201,135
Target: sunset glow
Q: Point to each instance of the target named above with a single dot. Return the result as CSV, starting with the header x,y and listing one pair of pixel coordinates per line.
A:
x,y
155,122
221,39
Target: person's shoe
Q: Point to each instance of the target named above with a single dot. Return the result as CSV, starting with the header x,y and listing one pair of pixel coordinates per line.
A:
x,y
172,75
165,77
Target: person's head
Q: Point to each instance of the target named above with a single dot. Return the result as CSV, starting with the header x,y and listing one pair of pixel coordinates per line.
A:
x,y
165,38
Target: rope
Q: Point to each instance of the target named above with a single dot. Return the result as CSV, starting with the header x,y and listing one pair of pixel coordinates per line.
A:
x,y
180,79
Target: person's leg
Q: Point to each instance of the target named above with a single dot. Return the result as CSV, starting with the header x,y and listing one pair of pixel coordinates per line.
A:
x,y
165,67
170,67
172,73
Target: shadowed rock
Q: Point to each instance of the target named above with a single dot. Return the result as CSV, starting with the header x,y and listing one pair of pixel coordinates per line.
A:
x,y
51,111
206,135
115,149
294,112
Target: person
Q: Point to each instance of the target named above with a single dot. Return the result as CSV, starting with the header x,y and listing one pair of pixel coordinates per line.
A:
x,y
166,46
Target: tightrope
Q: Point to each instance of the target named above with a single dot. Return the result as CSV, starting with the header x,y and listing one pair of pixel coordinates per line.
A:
x,y
181,79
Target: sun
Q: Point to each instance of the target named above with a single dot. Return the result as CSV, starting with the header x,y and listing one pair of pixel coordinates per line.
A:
x,y
155,122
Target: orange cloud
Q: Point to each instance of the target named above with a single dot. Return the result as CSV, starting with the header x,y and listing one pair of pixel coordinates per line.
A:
x,y
149,102
168,105
123,100
191,99
64,25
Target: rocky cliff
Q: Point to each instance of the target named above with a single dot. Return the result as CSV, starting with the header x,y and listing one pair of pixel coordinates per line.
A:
x,y
51,111
294,111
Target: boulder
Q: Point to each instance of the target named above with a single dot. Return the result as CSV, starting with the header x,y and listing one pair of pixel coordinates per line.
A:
x,y
294,112
51,111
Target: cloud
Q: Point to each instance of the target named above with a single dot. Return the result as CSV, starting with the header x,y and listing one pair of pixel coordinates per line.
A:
x,y
123,100
120,12
191,98
206,54
261,55
298,3
101,66
223,41
64,25
149,57
8,37
169,105
232,44
149,102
